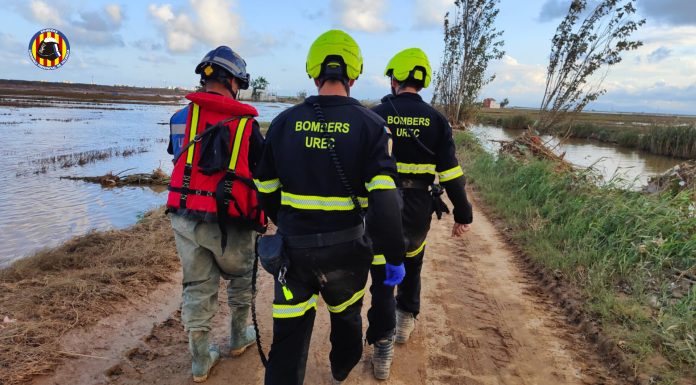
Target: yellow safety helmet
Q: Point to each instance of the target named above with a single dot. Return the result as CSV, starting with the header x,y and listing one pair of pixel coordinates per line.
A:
x,y
335,43
411,63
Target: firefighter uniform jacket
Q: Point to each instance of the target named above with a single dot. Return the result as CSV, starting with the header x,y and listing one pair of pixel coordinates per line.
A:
x,y
300,188
408,110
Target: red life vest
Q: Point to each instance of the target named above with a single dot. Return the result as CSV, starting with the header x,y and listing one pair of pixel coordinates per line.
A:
x,y
230,192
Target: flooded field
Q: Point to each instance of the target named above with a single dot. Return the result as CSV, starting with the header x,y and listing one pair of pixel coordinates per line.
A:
x,y
42,144
632,167
45,143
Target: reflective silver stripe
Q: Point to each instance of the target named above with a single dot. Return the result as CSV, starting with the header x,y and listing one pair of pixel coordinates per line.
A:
x,y
339,308
380,182
415,168
315,202
379,260
227,62
298,310
453,173
178,129
267,186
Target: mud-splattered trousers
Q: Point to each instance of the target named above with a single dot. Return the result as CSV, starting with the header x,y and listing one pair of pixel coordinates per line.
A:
x,y
203,263
416,217
339,273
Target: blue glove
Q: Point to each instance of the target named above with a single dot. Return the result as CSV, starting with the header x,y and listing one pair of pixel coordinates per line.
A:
x,y
395,274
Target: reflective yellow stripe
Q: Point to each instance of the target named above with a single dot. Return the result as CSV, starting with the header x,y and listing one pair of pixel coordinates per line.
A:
x,y
416,251
415,168
292,311
314,202
237,143
339,308
192,133
453,173
380,182
379,260
267,186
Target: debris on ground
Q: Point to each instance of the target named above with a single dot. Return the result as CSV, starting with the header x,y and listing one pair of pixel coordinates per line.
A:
x,y
528,146
678,178
156,177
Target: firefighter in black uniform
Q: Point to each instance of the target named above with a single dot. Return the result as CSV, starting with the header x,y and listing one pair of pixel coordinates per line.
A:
x,y
423,148
323,162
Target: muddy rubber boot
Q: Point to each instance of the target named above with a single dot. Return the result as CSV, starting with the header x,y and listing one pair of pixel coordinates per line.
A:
x,y
204,355
241,335
382,356
405,323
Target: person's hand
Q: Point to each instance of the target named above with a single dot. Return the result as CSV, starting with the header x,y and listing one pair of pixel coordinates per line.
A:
x,y
395,274
459,228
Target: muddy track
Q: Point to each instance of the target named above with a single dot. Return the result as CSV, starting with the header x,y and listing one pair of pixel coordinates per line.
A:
x,y
483,322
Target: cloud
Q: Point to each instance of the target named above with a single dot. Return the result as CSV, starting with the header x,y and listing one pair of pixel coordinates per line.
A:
x,y
147,45
91,28
13,50
659,55
44,13
522,83
114,11
553,9
313,14
658,96
670,12
211,22
430,13
361,15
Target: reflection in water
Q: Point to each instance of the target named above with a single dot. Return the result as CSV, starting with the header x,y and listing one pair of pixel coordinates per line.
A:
x,y
632,166
41,210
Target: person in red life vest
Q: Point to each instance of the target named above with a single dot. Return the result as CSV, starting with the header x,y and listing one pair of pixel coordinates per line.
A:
x,y
213,206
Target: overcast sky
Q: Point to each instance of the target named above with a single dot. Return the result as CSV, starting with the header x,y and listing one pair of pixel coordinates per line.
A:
x,y
158,43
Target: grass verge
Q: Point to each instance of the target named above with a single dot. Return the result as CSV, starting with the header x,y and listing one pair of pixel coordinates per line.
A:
x,y
76,285
632,255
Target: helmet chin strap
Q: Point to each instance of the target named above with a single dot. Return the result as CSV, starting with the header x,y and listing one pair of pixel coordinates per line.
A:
x,y
229,88
395,91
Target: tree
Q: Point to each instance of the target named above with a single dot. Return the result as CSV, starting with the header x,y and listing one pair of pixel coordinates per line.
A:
x,y
504,103
582,53
471,42
257,84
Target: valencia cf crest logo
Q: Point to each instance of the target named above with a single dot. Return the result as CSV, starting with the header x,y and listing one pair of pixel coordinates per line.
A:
x,y
49,49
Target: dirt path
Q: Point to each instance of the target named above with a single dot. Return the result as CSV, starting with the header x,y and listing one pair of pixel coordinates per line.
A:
x,y
482,323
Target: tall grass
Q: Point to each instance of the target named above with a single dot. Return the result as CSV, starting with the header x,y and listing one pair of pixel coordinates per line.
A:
x,y
625,249
673,141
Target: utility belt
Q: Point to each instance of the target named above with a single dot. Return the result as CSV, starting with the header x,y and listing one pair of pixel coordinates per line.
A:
x,y
271,254
324,239
418,184
435,191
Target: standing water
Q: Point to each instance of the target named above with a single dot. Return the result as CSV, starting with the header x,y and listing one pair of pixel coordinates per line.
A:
x,y
41,210
630,168
42,144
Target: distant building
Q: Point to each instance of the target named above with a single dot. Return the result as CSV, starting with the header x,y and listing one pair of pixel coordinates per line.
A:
x,y
264,96
490,103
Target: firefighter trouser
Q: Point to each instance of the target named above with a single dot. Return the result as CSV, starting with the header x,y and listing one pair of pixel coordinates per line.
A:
x,y
203,263
381,316
339,273
417,214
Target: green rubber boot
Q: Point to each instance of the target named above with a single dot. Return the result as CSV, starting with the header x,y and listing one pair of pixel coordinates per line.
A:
x,y
205,356
241,335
